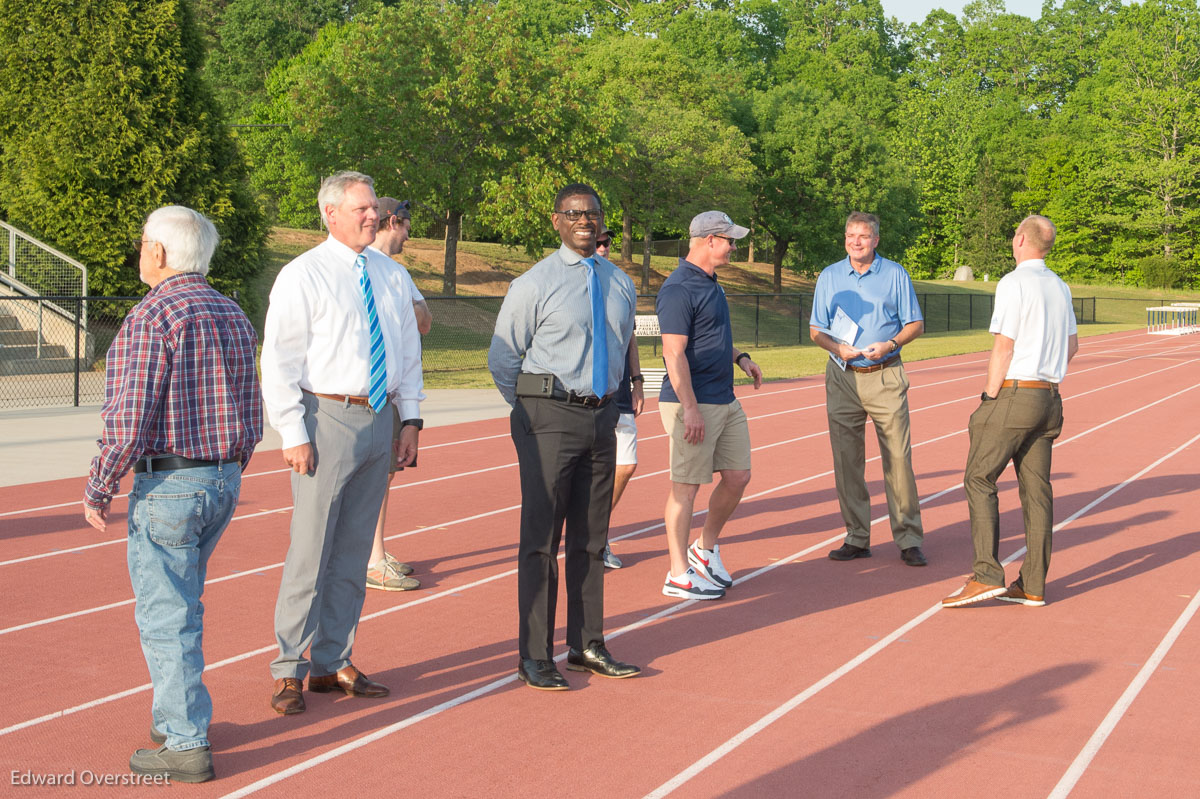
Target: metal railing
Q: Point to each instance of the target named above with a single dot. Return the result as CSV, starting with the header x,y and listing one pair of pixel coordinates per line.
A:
x,y
48,356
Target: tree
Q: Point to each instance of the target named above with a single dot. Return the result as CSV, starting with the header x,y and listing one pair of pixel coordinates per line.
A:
x,y
673,153
472,101
103,118
817,161
249,37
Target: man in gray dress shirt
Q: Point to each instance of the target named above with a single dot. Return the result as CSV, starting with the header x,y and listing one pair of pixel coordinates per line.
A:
x,y
560,379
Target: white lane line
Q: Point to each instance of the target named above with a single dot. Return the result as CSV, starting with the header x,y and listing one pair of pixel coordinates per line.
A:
x,y
749,732
818,384
733,743
455,590
485,514
1092,747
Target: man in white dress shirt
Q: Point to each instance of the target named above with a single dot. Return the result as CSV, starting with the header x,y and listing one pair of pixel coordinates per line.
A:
x,y
340,347
1018,418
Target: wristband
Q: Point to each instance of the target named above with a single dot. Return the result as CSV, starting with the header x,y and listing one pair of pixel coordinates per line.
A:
x,y
417,423
738,360
637,379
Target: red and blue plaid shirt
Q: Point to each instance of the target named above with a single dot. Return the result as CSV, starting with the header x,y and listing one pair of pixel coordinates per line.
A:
x,y
181,379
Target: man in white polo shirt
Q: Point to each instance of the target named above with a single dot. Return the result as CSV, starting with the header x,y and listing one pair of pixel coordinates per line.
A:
x,y
1019,416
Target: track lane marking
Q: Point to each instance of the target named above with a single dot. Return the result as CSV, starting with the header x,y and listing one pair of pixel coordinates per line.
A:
x,y
458,589
749,732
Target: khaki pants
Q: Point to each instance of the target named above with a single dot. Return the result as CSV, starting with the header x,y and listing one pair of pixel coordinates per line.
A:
x,y
883,395
1020,425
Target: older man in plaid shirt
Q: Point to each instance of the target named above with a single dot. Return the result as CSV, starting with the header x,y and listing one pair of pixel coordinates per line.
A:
x,y
182,408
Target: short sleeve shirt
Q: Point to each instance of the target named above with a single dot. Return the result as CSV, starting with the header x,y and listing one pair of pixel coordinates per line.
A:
x,y
881,301
691,303
1034,309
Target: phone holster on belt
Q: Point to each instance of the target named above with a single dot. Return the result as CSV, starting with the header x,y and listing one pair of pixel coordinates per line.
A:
x,y
531,385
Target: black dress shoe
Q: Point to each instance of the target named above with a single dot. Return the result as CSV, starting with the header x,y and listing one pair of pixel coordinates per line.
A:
x,y
913,556
597,660
542,675
849,552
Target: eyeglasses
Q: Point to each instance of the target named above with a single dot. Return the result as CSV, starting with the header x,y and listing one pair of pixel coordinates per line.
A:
x,y
603,242
732,242
574,214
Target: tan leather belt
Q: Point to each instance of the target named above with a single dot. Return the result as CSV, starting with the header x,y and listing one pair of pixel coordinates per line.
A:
x,y
866,370
1029,384
345,399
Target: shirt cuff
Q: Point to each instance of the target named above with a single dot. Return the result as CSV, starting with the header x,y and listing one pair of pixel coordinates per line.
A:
x,y
96,496
293,435
409,409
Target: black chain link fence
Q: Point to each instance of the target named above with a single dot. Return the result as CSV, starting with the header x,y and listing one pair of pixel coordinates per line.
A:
x,y
52,348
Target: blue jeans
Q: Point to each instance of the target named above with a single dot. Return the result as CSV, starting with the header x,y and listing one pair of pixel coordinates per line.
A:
x,y
176,518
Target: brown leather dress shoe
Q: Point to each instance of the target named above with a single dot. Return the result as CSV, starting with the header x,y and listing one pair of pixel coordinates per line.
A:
x,y
349,680
288,698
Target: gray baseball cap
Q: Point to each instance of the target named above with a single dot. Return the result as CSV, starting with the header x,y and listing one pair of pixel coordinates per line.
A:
x,y
715,223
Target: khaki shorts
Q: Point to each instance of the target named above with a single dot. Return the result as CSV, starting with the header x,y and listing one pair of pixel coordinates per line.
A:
x,y
726,443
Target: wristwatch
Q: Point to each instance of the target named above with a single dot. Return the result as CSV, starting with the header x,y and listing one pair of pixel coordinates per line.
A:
x,y
738,359
895,345
417,423
637,379
985,398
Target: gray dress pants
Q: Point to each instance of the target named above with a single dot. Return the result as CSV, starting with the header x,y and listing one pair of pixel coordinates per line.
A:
x,y
333,524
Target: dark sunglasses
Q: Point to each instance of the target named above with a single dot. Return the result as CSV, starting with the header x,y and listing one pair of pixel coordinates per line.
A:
x,y
603,242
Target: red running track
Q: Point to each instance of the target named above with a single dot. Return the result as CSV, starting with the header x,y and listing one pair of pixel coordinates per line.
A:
x,y
812,678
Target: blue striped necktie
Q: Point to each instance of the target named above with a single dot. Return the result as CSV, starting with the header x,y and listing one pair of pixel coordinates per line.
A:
x,y
377,394
599,331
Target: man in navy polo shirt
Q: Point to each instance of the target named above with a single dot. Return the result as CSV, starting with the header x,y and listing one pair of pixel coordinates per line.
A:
x,y
705,424
864,311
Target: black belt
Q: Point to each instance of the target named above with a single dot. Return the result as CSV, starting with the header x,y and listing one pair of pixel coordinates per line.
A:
x,y
571,398
585,400
166,462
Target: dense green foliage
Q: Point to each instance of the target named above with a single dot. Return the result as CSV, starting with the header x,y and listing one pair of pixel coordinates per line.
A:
x,y
103,118
786,113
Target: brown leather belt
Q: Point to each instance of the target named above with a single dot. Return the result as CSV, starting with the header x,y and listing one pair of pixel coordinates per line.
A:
x,y
1029,384
345,399
866,370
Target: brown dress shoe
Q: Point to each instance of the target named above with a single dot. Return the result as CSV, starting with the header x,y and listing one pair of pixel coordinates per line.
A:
x,y
288,698
974,591
349,680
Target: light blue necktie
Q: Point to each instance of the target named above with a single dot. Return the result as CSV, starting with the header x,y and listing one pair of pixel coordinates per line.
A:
x,y
377,395
599,331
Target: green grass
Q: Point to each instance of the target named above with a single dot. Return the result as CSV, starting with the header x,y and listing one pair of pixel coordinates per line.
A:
x,y
455,351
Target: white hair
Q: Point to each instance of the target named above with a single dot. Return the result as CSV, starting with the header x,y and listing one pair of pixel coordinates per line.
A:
x,y
333,189
188,238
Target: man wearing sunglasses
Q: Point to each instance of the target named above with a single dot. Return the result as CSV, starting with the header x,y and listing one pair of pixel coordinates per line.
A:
x,y
629,400
557,356
385,573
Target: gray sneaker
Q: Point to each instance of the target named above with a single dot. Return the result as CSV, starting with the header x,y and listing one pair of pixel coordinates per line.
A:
x,y
192,765
611,561
382,575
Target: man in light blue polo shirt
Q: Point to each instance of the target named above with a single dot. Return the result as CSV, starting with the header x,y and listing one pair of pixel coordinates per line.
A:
x,y
864,311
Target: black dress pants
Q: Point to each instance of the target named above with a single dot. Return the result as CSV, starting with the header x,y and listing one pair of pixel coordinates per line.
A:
x,y
567,456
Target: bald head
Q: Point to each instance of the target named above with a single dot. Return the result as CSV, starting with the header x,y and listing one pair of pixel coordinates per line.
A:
x,y
1038,233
